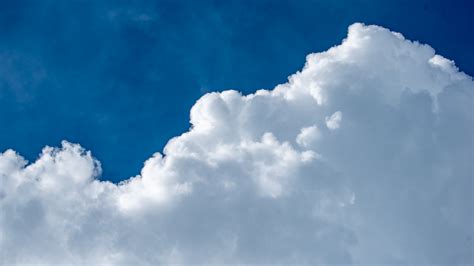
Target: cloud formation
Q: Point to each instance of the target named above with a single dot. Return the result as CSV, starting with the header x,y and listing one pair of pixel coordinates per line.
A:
x,y
364,156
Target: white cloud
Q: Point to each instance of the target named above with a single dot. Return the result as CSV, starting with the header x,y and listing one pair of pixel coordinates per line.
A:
x,y
265,178
308,136
334,121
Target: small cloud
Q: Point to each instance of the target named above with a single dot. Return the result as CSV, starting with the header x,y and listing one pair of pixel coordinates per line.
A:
x,y
334,121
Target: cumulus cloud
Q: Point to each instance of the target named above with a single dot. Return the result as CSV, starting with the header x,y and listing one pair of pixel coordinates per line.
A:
x,y
334,121
308,135
364,156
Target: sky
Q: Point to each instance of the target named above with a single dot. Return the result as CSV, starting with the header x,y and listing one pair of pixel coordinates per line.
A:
x,y
277,133
120,77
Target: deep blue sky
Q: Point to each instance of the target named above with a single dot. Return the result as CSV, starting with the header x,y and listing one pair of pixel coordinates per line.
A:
x,y
119,77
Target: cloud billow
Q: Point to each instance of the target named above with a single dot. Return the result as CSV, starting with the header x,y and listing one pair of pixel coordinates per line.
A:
x,y
364,156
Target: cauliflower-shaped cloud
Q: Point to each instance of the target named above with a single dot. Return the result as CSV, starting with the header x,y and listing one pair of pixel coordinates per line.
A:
x,y
364,156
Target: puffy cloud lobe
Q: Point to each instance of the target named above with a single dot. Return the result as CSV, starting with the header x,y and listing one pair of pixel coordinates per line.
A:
x,y
307,136
364,156
334,121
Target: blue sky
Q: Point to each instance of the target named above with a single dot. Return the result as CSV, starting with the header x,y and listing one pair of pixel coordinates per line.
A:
x,y
119,77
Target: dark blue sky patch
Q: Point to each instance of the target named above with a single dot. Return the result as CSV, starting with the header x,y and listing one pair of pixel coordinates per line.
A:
x,y
119,77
